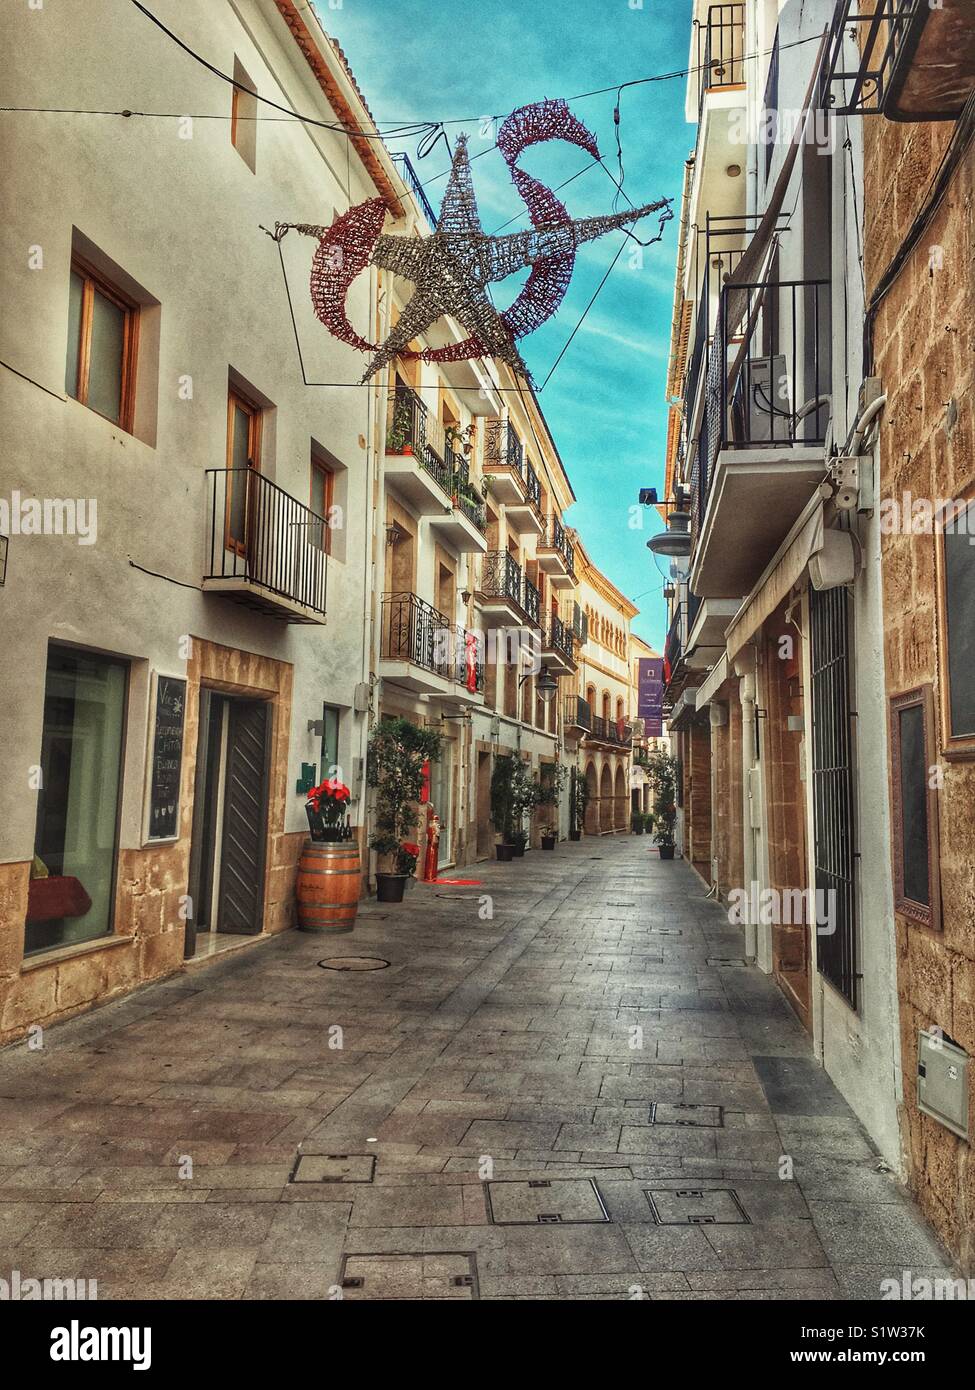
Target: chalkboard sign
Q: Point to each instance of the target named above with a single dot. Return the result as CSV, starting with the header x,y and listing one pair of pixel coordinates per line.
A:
x,y
915,798
166,758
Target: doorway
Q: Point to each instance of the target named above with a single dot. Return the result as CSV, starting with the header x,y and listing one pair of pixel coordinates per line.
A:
x,y
441,794
229,819
485,830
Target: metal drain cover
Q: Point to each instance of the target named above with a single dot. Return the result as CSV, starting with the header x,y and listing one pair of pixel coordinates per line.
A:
x,y
409,1276
545,1202
353,963
696,1206
334,1168
698,1116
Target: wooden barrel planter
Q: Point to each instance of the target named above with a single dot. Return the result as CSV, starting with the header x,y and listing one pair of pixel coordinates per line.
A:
x,y
327,890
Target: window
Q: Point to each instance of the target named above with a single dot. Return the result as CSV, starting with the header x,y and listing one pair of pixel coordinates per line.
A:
x,y
917,889
322,497
243,116
956,594
102,333
330,741
72,886
243,453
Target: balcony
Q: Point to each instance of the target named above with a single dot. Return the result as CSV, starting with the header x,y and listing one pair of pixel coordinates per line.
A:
x,y
717,103
418,645
908,60
720,52
503,594
265,550
526,517
423,470
576,716
504,464
468,669
706,629
558,647
411,179
759,453
614,732
556,556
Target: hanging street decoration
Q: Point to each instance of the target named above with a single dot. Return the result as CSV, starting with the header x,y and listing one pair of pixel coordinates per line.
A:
x,y
453,269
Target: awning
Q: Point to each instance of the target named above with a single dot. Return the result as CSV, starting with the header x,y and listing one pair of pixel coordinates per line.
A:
x,y
786,569
718,675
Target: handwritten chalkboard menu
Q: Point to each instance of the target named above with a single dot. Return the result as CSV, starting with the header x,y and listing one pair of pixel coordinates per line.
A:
x,y
166,758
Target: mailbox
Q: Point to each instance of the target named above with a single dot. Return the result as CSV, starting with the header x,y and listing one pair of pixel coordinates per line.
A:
x,y
942,1081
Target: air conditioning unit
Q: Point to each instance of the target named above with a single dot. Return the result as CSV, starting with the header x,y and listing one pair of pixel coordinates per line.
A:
x,y
769,414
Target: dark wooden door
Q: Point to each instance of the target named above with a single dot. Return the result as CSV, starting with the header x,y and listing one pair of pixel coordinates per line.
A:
x,y
245,817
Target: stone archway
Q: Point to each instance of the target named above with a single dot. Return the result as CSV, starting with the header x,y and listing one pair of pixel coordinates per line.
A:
x,y
592,805
605,799
620,801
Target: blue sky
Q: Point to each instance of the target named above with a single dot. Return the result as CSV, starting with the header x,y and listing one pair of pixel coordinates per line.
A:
x,y
463,59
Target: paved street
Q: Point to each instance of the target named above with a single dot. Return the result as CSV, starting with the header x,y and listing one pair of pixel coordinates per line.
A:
x,y
621,1161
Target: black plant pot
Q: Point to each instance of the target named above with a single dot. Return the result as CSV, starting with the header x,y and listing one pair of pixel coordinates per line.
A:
x,y
505,853
390,887
548,842
666,851
637,829
519,849
575,834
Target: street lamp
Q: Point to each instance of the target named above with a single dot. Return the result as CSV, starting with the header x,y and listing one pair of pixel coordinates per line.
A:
x,y
673,546
546,685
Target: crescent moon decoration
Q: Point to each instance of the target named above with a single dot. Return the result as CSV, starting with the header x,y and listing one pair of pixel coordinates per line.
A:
x,y
452,269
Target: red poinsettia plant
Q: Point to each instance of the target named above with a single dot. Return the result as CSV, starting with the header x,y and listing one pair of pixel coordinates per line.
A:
x,y
330,800
406,857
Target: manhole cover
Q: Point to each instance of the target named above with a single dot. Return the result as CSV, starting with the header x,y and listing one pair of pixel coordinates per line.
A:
x,y
696,1206
412,1276
334,1168
353,963
700,1116
545,1202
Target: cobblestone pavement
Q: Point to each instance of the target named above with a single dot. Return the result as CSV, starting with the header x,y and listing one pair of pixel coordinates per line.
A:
x,y
616,1167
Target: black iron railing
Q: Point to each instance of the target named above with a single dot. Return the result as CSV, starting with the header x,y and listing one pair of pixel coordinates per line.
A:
x,y
721,50
503,448
674,646
412,429
469,661
556,539
864,45
560,638
413,630
580,625
533,487
410,178
259,532
531,601
501,576
577,713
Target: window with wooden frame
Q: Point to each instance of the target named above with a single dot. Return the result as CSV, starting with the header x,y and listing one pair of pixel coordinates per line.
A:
x,y
917,875
103,330
321,501
243,457
955,542
243,116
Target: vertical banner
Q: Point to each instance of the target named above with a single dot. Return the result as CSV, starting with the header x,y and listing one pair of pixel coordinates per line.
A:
x,y
650,694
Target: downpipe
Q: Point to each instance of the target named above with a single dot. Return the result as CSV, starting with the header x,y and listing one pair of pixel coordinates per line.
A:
x,y
747,691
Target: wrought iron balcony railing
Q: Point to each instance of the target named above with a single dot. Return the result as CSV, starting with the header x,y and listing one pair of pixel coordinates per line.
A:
x,y
560,638
721,50
531,602
534,487
260,533
413,183
503,448
577,713
413,630
501,576
469,662
863,70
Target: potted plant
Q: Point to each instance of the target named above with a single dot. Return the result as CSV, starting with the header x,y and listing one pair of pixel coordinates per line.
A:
x,y
326,809
502,804
638,823
548,837
398,434
398,750
524,799
662,771
578,801
519,842
549,791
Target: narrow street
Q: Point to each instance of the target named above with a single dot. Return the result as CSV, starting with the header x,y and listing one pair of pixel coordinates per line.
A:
x,y
168,1145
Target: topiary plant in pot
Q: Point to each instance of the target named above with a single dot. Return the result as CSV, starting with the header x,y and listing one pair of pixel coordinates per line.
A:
x,y
503,803
662,770
550,787
578,801
398,750
524,799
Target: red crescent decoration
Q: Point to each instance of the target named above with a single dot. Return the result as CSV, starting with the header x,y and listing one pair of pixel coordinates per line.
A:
x,y
341,254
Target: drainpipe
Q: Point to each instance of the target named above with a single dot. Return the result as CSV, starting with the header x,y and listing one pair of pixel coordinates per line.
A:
x,y
719,719
745,669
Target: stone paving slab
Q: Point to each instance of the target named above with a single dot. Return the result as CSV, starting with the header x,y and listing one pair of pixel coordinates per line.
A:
x,y
153,1144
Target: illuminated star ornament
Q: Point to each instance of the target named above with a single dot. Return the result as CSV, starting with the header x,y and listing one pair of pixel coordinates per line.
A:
x,y
452,270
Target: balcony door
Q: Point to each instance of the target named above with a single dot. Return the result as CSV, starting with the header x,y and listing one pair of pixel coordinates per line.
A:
x,y
243,457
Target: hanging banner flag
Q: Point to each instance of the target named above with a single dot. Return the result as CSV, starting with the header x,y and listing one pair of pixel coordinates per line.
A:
x,y
650,695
